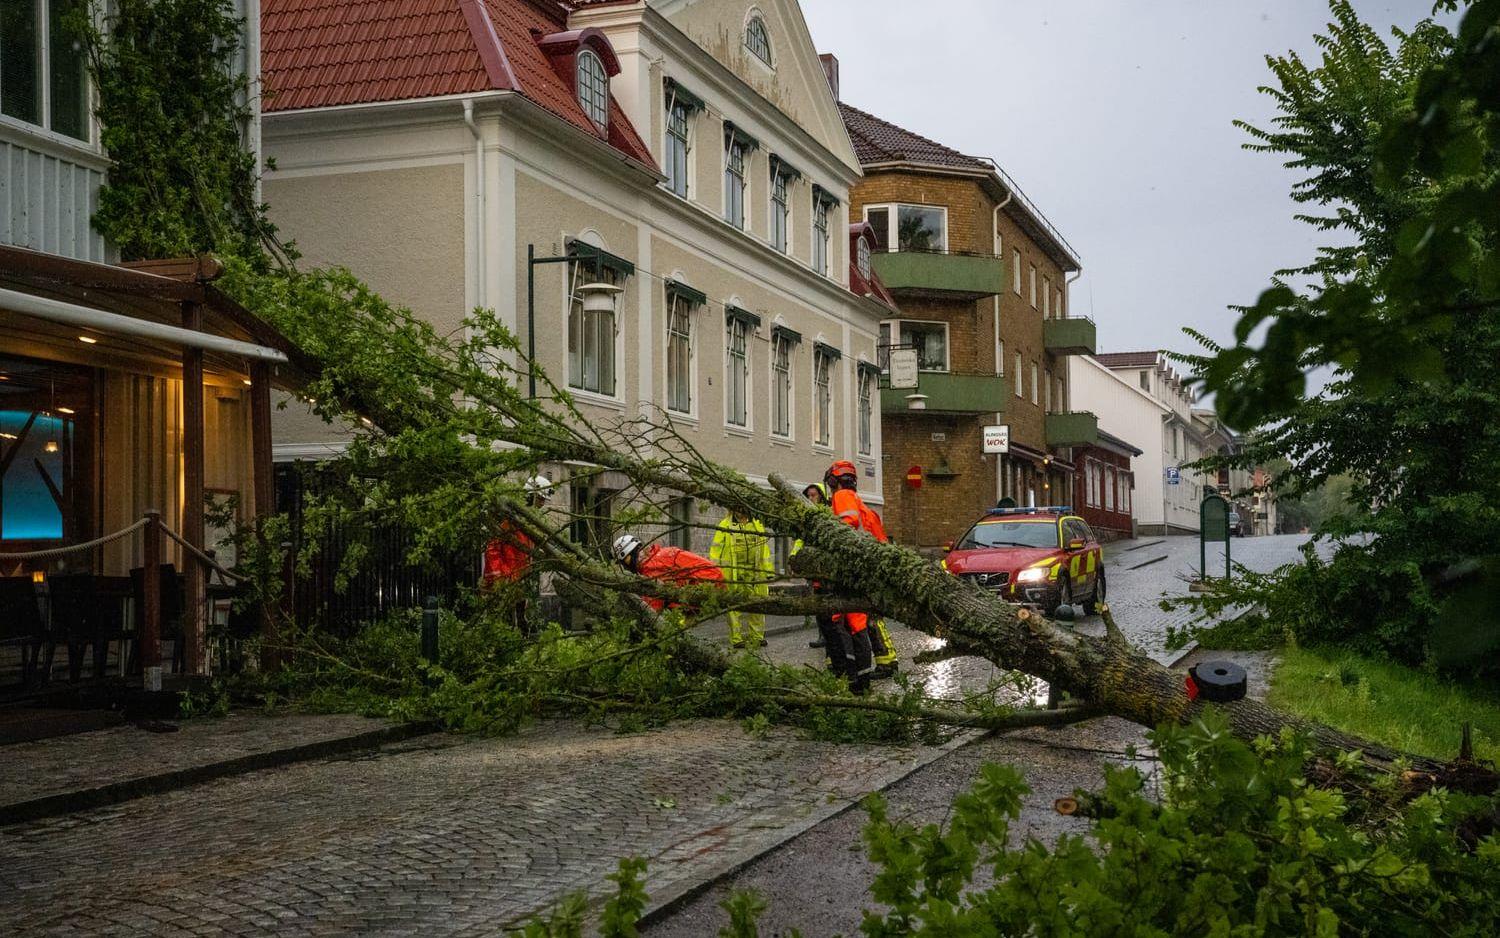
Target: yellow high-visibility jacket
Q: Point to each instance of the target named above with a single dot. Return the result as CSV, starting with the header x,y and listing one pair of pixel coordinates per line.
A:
x,y
743,552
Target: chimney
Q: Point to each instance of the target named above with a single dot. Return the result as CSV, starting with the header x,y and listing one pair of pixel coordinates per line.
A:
x,y
831,69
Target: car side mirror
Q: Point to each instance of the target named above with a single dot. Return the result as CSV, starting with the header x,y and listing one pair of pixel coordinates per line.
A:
x,y
1076,543
948,547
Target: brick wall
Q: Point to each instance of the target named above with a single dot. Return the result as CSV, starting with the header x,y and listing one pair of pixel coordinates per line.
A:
x,y
945,505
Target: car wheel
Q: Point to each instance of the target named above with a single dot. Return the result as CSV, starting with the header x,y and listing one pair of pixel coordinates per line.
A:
x,y
1064,597
1092,606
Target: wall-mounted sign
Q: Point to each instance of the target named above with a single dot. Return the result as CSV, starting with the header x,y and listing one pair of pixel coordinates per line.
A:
x,y
1174,475
903,368
914,477
940,438
997,439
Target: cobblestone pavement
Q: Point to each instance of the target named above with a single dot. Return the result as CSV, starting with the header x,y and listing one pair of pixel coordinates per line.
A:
x,y
124,753
441,835
818,882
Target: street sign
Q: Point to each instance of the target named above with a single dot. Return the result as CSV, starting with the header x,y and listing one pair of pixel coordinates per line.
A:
x,y
903,368
997,439
1174,475
914,477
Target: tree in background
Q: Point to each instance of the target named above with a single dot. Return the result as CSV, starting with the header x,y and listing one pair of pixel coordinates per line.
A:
x,y
1397,141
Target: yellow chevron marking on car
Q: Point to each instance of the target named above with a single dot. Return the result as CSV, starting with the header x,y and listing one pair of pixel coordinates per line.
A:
x,y
1073,565
1092,562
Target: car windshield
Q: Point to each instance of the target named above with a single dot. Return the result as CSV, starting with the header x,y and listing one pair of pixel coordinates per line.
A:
x,y
1010,534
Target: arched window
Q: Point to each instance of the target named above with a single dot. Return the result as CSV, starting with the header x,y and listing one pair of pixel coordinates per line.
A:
x,y
863,258
757,40
593,87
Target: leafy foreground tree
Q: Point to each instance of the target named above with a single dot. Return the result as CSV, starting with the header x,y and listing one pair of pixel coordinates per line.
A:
x,y
1400,145
1234,842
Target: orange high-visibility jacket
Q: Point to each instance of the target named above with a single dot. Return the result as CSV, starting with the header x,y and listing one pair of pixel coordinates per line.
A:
x,y
508,556
675,566
852,510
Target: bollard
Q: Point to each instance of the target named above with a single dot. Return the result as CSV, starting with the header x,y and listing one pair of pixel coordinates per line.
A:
x,y
430,630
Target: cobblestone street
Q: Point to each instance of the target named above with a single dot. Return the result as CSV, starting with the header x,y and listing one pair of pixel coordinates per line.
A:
x,y
448,835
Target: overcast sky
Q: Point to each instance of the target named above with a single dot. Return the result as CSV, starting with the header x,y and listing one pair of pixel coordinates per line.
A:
x,y
1114,116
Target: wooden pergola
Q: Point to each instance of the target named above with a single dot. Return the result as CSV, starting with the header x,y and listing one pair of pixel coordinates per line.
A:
x,y
170,316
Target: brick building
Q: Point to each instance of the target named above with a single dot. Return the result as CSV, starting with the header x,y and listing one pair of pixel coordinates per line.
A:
x,y
1104,484
980,277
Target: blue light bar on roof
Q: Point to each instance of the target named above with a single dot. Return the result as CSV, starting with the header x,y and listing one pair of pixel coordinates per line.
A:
x,y
1040,509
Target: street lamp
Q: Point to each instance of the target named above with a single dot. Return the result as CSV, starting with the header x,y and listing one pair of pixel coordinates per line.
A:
x,y
597,298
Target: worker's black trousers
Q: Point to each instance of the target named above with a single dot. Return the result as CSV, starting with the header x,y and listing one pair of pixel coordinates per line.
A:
x,y
849,653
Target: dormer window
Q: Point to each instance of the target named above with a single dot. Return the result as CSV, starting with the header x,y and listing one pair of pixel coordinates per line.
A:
x,y
862,258
757,39
593,87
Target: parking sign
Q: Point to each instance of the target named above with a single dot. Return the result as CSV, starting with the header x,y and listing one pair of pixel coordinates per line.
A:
x,y
1174,475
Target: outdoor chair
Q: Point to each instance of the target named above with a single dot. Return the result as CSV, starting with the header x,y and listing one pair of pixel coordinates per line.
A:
x,y
21,623
82,617
172,591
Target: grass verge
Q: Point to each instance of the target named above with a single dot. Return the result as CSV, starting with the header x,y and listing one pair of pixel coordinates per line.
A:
x,y
1386,702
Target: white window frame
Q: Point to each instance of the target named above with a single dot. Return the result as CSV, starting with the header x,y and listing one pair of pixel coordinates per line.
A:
x,y
1109,488
87,142
1000,358
731,325
1020,377
862,258
823,366
1058,306
779,342
671,140
571,302
1046,298
781,210
687,309
865,381
896,330
893,223
769,59
1015,270
731,145
1047,390
584,86
1033,286
822,238
1033,381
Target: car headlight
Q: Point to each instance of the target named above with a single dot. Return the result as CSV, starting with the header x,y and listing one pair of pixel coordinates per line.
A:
x,y
1032,575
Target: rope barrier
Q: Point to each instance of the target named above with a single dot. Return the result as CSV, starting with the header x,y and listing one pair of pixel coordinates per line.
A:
x,y
74,548
206,559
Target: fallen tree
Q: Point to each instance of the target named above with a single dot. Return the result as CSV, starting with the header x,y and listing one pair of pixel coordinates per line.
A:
x,y
447,431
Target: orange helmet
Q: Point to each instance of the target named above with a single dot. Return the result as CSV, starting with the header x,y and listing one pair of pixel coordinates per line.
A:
x,y
843,469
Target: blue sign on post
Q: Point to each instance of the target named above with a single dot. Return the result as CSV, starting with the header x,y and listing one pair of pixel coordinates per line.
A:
x,y
1174,475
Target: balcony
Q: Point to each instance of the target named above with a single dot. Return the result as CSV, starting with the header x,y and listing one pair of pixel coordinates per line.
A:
x,y
1080,428
949,393
946,276
1069,336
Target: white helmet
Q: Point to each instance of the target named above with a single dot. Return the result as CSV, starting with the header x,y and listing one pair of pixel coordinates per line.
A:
x,y
539,486
624,546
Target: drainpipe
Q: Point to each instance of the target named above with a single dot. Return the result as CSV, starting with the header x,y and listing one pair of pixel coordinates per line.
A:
x,y
999,364
481,292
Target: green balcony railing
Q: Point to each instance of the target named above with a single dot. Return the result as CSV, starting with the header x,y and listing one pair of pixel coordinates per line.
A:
x,y
1069,336
948,393
1079,428
952,275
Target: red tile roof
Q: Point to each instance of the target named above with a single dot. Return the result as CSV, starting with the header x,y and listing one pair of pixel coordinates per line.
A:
x,y
1127,359
879,141
326,53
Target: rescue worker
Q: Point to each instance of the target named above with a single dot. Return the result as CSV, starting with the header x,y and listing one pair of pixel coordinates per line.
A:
x,y
850,633
843,478
742,550
507,557
671,565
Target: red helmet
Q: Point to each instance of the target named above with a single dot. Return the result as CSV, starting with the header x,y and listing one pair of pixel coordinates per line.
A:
x,y
843,469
